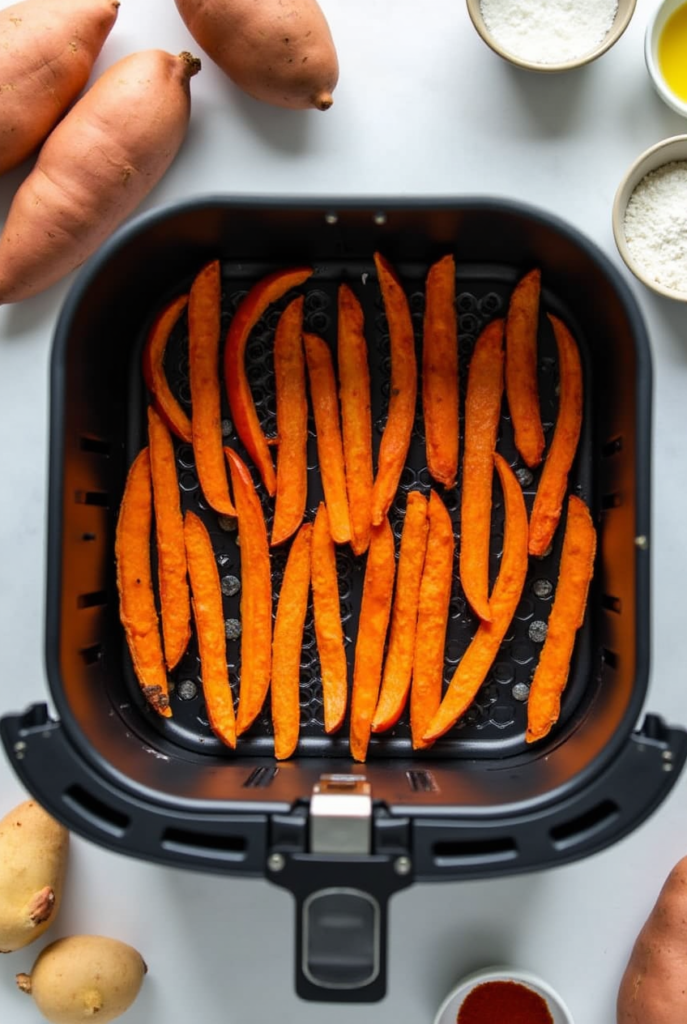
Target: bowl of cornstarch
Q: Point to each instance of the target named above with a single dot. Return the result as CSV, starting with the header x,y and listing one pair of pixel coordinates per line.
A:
x,y
650,218
550,35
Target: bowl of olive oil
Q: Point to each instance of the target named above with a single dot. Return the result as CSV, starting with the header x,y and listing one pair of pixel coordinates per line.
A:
x,y
665,50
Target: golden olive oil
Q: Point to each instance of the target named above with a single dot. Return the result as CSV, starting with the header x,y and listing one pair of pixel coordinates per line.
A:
x,y
672,52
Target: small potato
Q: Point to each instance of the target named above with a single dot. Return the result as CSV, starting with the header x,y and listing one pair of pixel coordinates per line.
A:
x,y
84,977
33,861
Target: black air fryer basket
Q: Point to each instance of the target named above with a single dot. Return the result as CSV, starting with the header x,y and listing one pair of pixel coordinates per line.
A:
x,y
343,837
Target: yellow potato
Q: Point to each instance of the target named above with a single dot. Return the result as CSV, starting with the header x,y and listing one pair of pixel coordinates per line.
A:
x,y
84,977
33,860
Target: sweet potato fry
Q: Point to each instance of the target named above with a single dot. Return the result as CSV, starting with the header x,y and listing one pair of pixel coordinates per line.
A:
x,y
522,387
287,645
325,405
328,629
356,417
256,596
369,648
398,666
548,502
399,425
480,655
175,601
154,370
203,357
292,423
432,617
209,616
243,411
135,585
567,615
482,414
440,372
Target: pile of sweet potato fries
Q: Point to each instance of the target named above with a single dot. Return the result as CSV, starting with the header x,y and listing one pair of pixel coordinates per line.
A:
x,y
400,644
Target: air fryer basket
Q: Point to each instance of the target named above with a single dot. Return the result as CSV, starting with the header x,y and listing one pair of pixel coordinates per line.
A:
x,y
480,802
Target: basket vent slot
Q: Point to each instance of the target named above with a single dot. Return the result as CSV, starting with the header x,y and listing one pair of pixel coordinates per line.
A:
x,y
88,443
261,778
613,604
610,658
91,654
101,499
92,600
422,781
586,826
611,501
450,854
95,812
198,844
613,446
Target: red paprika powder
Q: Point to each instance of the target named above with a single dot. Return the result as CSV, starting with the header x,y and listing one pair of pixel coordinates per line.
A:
x,y
503,1002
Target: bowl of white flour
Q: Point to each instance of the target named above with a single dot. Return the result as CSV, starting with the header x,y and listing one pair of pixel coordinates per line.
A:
x,y
650,218
550,35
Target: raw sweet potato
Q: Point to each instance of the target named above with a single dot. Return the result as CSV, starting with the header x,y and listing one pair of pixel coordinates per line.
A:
x,y
567,616
47,52
327,618
522,387
270,289
653,989
137,610
398,666
399,424
548,501
479,657
356,417
279,51
96,166
33,861
203,356
256,595
440,372
292,423
287,644
154,370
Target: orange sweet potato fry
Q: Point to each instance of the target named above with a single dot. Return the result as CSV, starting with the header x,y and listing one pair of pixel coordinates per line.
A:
x,y
480,655
398,665
482,414
203,356
292,423
287,645
440,372
135,585
256,595
432,617
399,425
356,417
243,411
325,405
209,616
567,616
522,387
369,648
548,502
154,370
328,628
175,601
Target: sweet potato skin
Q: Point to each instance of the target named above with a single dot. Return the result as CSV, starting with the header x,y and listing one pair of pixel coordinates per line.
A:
x,y
95,168
33,862
652,989
47,52
278,51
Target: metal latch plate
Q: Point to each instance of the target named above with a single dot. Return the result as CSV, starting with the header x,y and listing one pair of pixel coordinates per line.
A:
x,y
341,815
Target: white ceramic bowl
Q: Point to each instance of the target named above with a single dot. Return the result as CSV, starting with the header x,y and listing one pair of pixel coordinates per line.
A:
x,y
656,156
448,1011
654,28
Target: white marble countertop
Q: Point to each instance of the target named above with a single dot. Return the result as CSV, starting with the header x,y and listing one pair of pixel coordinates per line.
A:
x,y
423,108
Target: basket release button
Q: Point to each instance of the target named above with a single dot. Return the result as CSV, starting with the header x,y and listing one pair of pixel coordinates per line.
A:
x,y
341,938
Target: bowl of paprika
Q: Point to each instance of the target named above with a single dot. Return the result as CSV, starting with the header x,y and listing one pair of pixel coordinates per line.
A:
x,y
503,995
